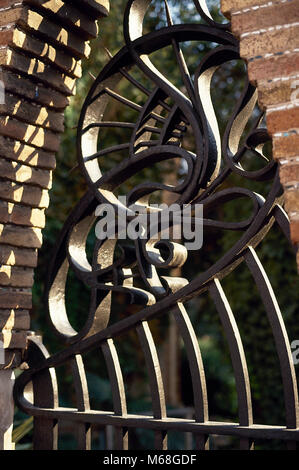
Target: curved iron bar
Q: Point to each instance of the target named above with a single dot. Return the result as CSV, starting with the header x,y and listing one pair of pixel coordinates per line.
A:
x,y
157,134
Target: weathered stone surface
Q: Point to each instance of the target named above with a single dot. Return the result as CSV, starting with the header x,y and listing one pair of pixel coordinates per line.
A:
x,y
13,256
283,120
20,152
286,146
277,40
23,193
31,113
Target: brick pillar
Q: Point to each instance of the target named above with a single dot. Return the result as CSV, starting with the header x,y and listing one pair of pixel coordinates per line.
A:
x,y
42,43
269,41
7,409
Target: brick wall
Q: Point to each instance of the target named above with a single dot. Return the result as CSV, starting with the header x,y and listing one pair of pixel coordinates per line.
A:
x,y
269,41
42,43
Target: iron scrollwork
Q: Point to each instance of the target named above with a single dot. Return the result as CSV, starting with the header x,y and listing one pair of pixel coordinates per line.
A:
x,y
158,134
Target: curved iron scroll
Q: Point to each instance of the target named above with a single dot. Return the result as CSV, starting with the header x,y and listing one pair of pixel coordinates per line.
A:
x,y
157,134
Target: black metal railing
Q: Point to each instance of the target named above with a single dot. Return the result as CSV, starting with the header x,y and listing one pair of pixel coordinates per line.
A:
x,y
159,132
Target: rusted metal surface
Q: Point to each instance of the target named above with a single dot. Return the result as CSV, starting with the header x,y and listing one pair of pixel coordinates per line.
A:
x,y
157,135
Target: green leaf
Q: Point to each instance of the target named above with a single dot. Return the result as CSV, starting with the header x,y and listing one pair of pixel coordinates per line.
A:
x,y
22,430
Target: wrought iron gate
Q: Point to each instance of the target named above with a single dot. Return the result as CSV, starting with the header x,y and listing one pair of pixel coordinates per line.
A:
x,y
158,134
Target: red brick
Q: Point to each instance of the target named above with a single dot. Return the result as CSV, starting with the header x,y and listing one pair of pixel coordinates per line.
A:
x,y
289,173
17,39
26,194
32,90
291,202
294,226
272,67
285,39
71,17
29,134
13,256
283,120
16,276
31,113
28,237
44,28
265,17
94,8
20,63
275,92
286,147
14,319
234,5
15,171
15,298
13,339
6,3
20,152
45,76
11,213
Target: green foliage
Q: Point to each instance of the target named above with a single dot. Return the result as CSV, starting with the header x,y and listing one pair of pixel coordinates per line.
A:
x,y
22,430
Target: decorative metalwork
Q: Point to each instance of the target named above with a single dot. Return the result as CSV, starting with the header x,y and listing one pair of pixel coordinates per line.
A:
x,y
156,135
